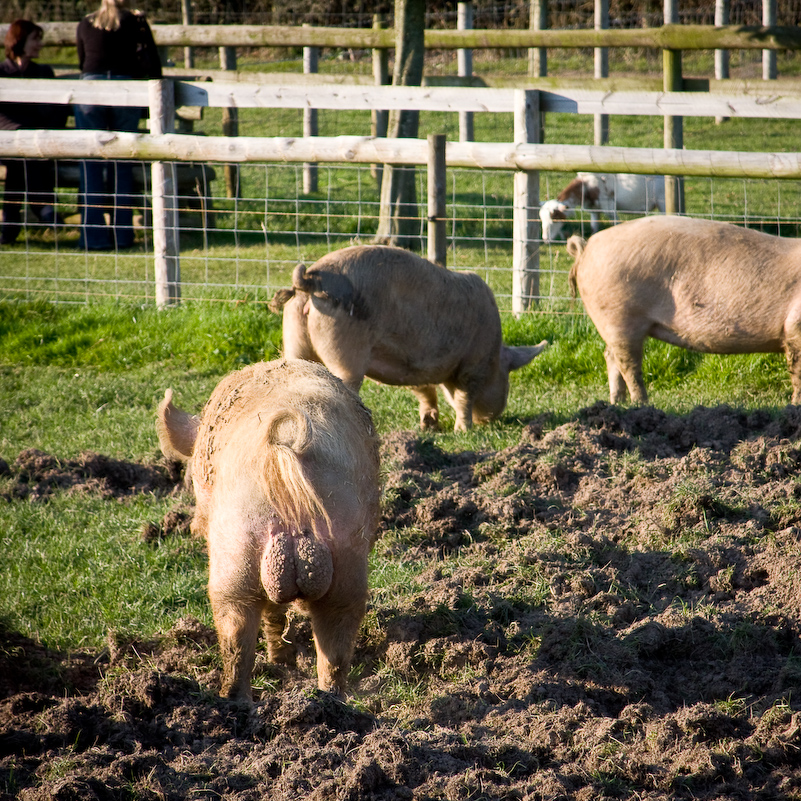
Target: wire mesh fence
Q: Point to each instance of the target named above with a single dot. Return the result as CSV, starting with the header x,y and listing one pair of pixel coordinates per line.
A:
x,y
244,248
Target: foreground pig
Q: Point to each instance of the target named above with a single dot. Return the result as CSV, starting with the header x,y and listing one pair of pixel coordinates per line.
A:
x,y
707,286
385,313
284,463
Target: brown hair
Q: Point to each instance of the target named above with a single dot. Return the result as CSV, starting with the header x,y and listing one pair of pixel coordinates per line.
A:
x,y
17,34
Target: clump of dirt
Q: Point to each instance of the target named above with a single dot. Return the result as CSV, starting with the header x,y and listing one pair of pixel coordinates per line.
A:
x,y
35,475
609,609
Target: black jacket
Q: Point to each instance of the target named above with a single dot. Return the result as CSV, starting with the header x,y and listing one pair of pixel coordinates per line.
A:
x,y
130,50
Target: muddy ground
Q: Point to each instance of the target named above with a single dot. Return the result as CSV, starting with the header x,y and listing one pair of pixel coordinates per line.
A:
x,y
609,609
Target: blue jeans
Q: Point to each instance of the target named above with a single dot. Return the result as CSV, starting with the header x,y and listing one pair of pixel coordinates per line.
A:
x,y
107,186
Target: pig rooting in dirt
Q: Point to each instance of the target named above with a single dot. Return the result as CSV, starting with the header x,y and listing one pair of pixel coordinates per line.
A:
x,y
386,313
284,465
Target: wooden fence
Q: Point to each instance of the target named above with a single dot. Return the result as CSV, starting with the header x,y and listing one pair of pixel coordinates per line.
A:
x,y
466,95
524,157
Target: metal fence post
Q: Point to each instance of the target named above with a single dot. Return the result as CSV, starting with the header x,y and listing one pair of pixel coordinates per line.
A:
x,y
770,69
166,249
380,117
672,81
526,221
722,12
601,121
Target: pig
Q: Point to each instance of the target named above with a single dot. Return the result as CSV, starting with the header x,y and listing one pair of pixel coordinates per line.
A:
x,y
707,286
284,465
602,192
386,313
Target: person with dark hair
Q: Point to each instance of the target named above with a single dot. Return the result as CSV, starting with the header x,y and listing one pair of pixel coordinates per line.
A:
x,y
27,180
114,43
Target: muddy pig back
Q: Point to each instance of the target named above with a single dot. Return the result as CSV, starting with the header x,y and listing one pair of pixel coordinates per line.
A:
x,y
285,468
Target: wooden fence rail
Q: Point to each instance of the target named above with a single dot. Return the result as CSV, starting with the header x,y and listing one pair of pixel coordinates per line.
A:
x,y
666,37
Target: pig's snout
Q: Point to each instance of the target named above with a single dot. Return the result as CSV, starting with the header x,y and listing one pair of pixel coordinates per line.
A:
x,y
296,565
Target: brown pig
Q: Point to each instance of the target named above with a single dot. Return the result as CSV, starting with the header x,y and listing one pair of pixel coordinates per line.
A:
x,y
706,286
385,313
284,464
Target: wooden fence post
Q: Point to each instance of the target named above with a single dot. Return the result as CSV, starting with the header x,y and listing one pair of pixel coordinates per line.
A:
x,y
464,60
380,117
437,212
672,81
166,250
769,65
601,121
311,56
230,124
722,10
537,21
526,221
186,18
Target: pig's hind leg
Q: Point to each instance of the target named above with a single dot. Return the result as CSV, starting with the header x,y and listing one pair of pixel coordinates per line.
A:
x,y
792,352
295,332
237,622
624,368
336,627
279,650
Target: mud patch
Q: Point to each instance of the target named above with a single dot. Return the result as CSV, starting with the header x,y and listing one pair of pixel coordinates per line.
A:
x,y
35,475
609,609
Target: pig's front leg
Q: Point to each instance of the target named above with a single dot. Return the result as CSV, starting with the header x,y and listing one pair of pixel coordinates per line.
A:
x,y
429,412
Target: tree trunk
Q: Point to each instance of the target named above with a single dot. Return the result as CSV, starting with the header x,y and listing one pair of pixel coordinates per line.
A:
x,y
398,222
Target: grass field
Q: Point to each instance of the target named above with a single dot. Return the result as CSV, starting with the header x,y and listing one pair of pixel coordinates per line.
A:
x,y
574,601
87,374
77,379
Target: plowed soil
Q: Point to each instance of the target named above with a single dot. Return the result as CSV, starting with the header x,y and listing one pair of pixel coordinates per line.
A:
x,y
609,609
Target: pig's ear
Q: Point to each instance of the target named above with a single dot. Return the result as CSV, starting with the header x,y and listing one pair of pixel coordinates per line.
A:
x,y
177,430
513,358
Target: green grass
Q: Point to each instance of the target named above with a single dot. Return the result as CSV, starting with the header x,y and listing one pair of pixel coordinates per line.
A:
x,y
88,373
72,379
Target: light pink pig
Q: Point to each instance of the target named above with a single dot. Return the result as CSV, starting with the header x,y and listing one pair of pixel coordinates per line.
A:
x,y
284,464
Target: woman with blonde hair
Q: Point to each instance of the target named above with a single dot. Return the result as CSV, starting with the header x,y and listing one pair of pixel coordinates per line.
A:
x,y
114,43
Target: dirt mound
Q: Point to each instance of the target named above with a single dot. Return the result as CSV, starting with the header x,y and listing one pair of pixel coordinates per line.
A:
x,y
609,609
36,474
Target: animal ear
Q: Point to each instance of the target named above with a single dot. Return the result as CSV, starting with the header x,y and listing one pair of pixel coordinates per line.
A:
x,y
177,430
513,358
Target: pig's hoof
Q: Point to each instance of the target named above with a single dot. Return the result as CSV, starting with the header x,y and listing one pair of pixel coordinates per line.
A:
x,y
430,420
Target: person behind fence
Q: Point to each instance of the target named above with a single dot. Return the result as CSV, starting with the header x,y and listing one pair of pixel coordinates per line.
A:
x,y
28,181
114,43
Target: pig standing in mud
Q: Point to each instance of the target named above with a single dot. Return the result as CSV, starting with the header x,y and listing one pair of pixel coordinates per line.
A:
x,y
707,286
284,463
385,313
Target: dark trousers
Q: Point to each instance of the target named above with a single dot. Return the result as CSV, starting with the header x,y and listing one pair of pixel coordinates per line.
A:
x,y
28,181
107,186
